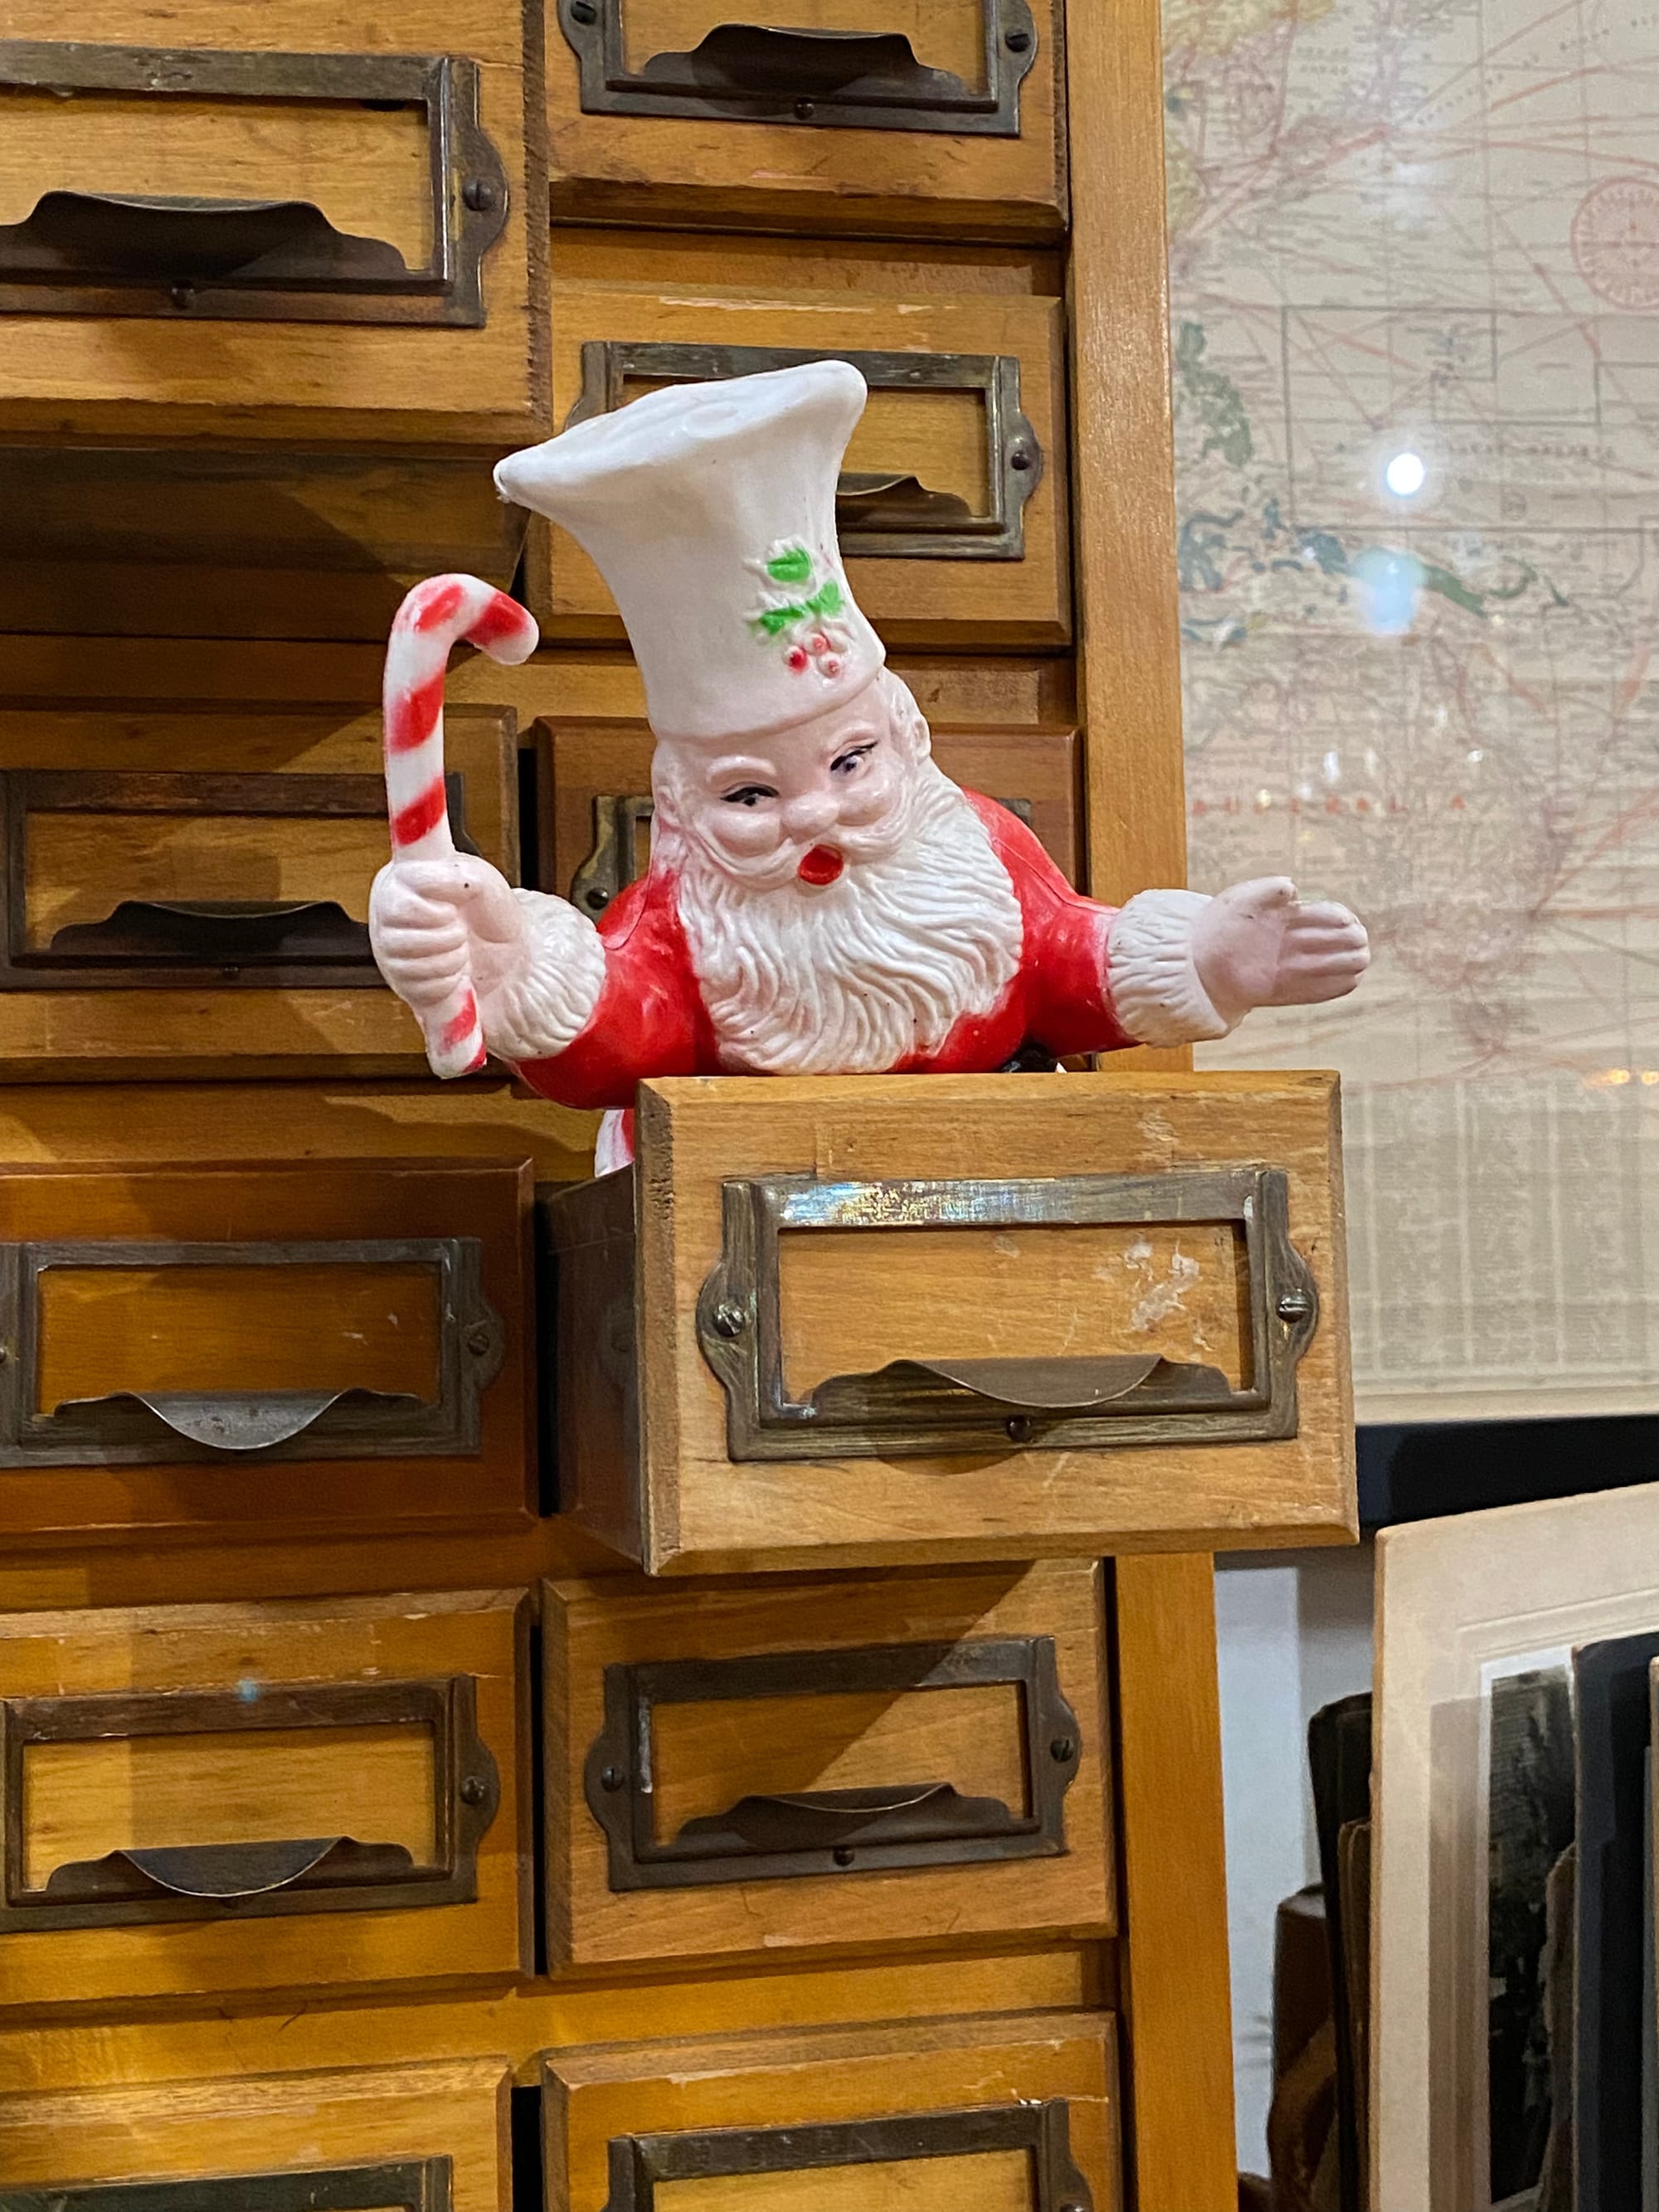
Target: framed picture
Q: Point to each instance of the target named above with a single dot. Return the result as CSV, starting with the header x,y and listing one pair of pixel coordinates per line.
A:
x,y
1479,1619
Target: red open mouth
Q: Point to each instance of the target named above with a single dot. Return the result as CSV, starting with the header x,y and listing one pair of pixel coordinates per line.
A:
x,y
821,865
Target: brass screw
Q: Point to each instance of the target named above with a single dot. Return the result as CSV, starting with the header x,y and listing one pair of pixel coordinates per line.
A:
x,y
1017,41
1294,1305
473,1791
479,1339
729,1319
1063,1750
583,11
1020,1429
478,194
612,1778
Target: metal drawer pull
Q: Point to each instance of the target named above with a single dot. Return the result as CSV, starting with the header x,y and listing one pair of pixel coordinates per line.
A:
x,y
134,1885
229,1872
76,236
129,1427
866,500
640,2165
403,2185
787,1834
192,944
119,253
768,73
228,1420
818,1819
917,1404
618,817
212,932
886,516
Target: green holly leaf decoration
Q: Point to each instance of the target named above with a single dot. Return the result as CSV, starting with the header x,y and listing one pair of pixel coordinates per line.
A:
x,y
793,566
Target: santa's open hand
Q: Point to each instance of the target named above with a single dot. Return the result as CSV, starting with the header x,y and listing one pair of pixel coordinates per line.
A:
x,y
432,924
1257,944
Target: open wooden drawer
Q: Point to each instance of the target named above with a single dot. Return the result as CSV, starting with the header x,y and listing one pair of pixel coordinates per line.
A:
x,y
293,1794
901,1319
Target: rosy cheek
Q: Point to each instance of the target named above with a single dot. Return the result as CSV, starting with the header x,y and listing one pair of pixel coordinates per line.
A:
x,y
741,830
867,798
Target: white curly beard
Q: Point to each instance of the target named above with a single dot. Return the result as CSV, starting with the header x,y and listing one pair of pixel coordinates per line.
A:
x,y
853,977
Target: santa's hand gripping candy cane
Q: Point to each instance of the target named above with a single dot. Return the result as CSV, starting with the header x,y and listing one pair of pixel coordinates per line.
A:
x,y
822,899
435,616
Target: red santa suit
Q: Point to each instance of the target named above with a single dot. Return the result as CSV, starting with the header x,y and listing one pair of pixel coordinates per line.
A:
x,y
650,1019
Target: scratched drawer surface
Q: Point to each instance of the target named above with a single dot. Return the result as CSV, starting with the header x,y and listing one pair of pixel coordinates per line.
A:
x,y
905,1319
825,1764
358,230
423,2138
939,116
951,509
601,816
1020,2116
264,1349
192,887
288,1795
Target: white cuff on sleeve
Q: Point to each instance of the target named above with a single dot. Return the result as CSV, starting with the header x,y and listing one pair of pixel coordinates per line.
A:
x,y
550,1002
1150,974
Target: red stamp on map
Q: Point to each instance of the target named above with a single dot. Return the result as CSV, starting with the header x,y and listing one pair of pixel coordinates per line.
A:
x,y
1615,240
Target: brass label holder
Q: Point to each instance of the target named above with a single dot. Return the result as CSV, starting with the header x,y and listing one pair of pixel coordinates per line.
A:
x,y
136,1886
179,944
921,1405
788,1836
639,2165
824,79
424,2185
877,517
124,252
129,1427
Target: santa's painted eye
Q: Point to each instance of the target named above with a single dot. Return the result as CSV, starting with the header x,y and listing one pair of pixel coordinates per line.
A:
x,y
751,794
848,762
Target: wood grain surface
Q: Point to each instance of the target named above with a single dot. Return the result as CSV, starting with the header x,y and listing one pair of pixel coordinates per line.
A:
x,y
480,1634
269,2122
730,174
705,1758
841,1512
70,376
797,2080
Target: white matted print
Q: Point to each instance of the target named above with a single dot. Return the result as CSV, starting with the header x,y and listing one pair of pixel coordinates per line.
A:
x,y
1464,1607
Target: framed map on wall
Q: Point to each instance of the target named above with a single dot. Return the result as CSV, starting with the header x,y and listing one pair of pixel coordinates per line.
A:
x,y
1415,272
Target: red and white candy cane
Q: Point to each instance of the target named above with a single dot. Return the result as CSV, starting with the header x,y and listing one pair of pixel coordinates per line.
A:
x,y
436,616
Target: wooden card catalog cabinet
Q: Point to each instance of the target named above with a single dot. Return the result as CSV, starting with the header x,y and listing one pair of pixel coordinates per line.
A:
x,y
264,1349
1004,2115
601,814
1044,1315
292,1795
813,1764
168,903
423,2138
951,507
937,118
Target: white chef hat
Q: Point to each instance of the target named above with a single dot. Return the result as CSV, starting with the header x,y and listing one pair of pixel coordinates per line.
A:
x,y
710,510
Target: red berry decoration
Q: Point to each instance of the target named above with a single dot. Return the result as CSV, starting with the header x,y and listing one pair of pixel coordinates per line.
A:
x,y
795,659
830,665
817,644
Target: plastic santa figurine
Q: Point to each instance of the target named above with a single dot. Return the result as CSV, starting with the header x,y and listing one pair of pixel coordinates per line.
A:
x,y
822,899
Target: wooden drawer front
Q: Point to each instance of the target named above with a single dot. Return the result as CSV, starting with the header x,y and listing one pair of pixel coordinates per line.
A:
x,y
864,1308
357,233
953,511
1003,2115
821,1763
264,1349
200,1798
418,2138
934,117
601,815
140,861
